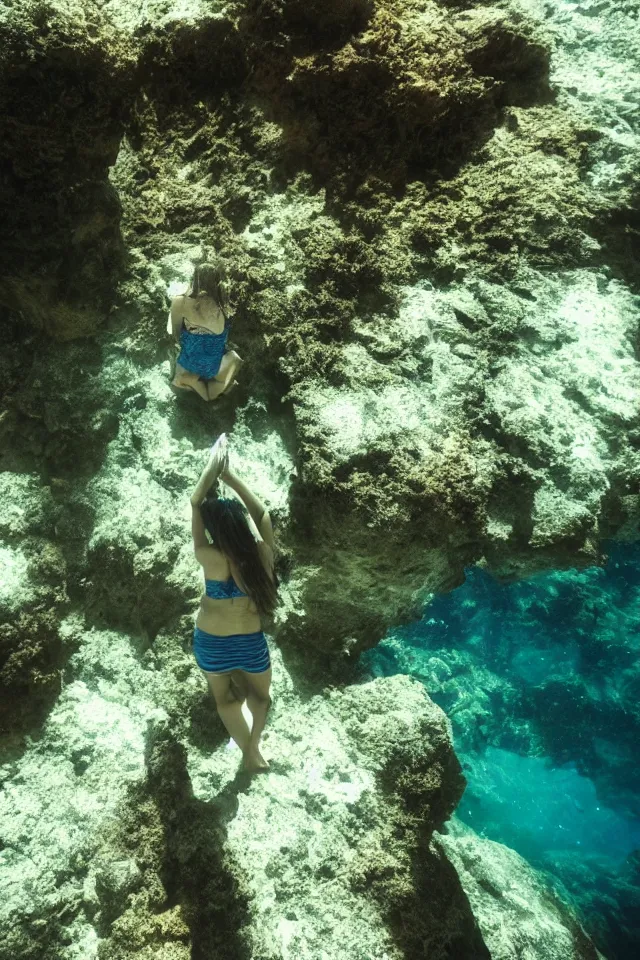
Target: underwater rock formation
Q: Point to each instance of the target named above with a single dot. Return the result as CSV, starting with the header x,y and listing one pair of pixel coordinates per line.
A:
x,y
531,922
430,212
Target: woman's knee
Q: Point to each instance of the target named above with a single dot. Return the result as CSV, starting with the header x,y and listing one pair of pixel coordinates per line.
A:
x,y
261,697
224,699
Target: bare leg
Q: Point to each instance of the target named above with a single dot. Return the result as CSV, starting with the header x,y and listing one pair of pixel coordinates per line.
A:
x,y
191,381
258,702
239,686
230,365
229,709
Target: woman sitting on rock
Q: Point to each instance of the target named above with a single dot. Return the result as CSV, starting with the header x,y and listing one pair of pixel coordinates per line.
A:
x,y
199,320
240,589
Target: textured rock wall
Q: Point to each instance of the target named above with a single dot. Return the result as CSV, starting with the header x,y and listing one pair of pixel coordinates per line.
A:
x,y
433,252
430,214
66,82
532,922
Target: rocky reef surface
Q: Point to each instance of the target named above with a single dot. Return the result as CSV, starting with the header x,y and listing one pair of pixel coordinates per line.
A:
x,y
127,831
430,212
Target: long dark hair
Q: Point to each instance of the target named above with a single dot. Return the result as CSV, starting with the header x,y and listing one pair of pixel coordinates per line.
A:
x,y
226,521
212,279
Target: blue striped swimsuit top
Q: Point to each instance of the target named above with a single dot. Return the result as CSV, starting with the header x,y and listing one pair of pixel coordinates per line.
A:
x,y
223,589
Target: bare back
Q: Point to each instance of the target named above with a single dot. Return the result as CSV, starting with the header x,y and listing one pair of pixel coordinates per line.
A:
x,y
237,614
199,314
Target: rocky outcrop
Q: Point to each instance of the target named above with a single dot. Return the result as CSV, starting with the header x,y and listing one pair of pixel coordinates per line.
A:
x,y
33,599
431,229
66,84
530,919
181,855
387,89
432,282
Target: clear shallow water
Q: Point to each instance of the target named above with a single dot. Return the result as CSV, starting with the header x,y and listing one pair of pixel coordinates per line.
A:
x,y
541,680
539,809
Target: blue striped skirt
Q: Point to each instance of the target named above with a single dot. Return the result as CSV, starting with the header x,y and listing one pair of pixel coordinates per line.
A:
x,y
239,651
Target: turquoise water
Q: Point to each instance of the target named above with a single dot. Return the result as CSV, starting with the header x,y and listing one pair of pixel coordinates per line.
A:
x,y
541,680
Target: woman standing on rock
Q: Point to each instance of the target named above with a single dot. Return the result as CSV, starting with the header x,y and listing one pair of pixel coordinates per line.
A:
x,y
199,320
240,588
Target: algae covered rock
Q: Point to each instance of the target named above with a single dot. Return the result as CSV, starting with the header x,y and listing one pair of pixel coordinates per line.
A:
x,y
328,854
429,211
321,855
410,231
390,86
33,598
66,86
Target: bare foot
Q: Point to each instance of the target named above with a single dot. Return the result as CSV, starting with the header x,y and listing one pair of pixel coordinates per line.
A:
x,y
254,762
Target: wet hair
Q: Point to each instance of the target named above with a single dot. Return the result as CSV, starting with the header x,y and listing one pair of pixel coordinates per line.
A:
x,y
211,279
226,522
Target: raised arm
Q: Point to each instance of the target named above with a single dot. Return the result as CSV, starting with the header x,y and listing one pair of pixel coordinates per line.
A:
x,y
257,510
209,476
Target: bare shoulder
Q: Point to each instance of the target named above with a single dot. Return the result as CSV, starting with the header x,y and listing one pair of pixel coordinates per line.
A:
x,y
210,557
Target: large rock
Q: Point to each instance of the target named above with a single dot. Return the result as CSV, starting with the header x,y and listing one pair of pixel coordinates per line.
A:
x,y
416,457
516,912
440,287
448,403
66,81
327,855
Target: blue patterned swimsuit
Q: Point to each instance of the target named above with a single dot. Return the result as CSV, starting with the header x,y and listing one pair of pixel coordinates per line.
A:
x,y
202,353
239,651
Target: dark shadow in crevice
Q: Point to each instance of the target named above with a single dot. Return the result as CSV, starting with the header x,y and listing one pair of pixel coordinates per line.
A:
x,y
421,898
198,872
619,234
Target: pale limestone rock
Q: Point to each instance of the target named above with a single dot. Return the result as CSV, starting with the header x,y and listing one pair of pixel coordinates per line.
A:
x,y
519,917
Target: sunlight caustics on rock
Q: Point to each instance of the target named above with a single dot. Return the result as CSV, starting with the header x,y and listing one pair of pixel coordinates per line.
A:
x,y
428,215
